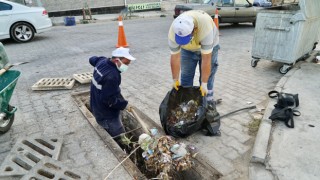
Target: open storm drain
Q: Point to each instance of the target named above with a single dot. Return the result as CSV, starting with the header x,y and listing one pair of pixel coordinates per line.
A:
x,y
136,165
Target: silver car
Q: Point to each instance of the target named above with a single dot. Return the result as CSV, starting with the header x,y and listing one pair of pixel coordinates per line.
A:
x,y
230,11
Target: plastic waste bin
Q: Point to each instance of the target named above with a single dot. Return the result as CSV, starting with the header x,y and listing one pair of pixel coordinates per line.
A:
x,y
286,33
69,21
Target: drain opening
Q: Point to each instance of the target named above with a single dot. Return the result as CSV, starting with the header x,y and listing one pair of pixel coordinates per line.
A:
x,y
54,140
8,169
36,148
21,163
72,175
45,174
200,170
136,157
52,166
46,144
32,157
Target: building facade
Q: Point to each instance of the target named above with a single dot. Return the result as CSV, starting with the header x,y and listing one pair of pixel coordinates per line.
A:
x,y
74,7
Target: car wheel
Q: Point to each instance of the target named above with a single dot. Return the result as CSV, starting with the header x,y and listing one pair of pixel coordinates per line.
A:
x,y
22,32
254,23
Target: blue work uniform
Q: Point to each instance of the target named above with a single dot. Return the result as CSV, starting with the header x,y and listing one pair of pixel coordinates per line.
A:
x,y
106,100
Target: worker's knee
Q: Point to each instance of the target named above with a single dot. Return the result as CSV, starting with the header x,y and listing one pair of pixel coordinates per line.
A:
x,y
113,126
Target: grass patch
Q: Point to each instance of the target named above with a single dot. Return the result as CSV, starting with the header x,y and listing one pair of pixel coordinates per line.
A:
x,y
254,126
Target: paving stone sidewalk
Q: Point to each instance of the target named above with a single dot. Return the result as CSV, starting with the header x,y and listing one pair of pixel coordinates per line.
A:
x,y
65,51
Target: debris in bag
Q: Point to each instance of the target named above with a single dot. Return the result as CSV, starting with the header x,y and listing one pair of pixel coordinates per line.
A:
x,y
164,156
185,113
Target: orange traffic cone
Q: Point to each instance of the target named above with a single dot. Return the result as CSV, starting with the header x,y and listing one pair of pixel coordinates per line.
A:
x,y
122,42
216,19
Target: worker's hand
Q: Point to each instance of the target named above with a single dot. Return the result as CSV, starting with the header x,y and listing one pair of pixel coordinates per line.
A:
x,y
129,108
204,89
176,84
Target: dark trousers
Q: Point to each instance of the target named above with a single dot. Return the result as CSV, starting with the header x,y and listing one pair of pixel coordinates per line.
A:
x,y
113,126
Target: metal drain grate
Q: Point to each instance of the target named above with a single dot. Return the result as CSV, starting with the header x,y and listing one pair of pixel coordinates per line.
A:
x,y
83,78
27,152
49,168
54,83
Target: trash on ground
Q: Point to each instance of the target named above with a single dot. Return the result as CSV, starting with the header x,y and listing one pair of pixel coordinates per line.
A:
x,y
164,156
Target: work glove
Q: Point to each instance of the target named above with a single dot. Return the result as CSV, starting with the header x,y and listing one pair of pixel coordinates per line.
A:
x,y
204,89
176,84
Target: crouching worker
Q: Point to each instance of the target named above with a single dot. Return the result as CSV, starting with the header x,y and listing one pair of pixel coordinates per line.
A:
x,y
106,100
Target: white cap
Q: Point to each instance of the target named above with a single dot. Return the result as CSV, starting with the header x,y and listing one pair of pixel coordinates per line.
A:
x,y
183,26
123,52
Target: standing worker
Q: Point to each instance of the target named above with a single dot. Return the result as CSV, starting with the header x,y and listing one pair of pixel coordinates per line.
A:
x,y
106,100
194,39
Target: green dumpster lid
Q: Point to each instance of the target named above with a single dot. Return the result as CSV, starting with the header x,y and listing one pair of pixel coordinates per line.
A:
x,y
3,56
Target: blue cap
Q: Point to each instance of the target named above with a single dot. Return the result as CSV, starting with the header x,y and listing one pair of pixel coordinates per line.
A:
x,y
183,40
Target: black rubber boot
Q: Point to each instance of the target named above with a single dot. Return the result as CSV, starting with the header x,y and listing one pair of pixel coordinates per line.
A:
x,y
211,129
212,114
212,121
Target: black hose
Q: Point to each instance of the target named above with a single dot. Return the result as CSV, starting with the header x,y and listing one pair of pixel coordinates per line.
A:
x,y
251,107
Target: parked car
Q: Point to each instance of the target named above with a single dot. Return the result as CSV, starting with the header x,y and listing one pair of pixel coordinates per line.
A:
x,y
21,22
262,3
230,11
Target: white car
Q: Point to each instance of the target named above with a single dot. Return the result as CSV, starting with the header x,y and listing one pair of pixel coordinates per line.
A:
x,y
21,22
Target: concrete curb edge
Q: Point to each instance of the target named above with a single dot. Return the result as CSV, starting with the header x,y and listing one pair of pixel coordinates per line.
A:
x,y
259,155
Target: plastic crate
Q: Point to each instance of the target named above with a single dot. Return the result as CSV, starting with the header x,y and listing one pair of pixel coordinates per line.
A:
x,y
69,21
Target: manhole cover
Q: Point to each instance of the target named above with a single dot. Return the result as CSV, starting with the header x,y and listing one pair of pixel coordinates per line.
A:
x,y
49,168
83,78
53,84
27,152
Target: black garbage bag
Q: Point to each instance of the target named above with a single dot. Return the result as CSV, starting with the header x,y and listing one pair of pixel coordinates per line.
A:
x,y
173,100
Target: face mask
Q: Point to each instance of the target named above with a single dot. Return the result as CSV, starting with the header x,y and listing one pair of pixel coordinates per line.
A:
x,y
123,67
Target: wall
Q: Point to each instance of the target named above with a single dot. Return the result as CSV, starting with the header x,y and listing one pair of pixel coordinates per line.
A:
x,y
74,7
67,5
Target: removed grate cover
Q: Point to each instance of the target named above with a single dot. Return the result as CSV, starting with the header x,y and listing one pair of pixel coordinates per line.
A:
x,y
49,168
83,78
53,84
27,152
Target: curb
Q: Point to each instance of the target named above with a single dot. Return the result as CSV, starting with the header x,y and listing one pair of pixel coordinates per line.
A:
x,y
259,152
259,155
58,21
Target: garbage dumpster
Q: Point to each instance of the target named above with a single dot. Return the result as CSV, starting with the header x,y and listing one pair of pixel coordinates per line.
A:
x,y
286,33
